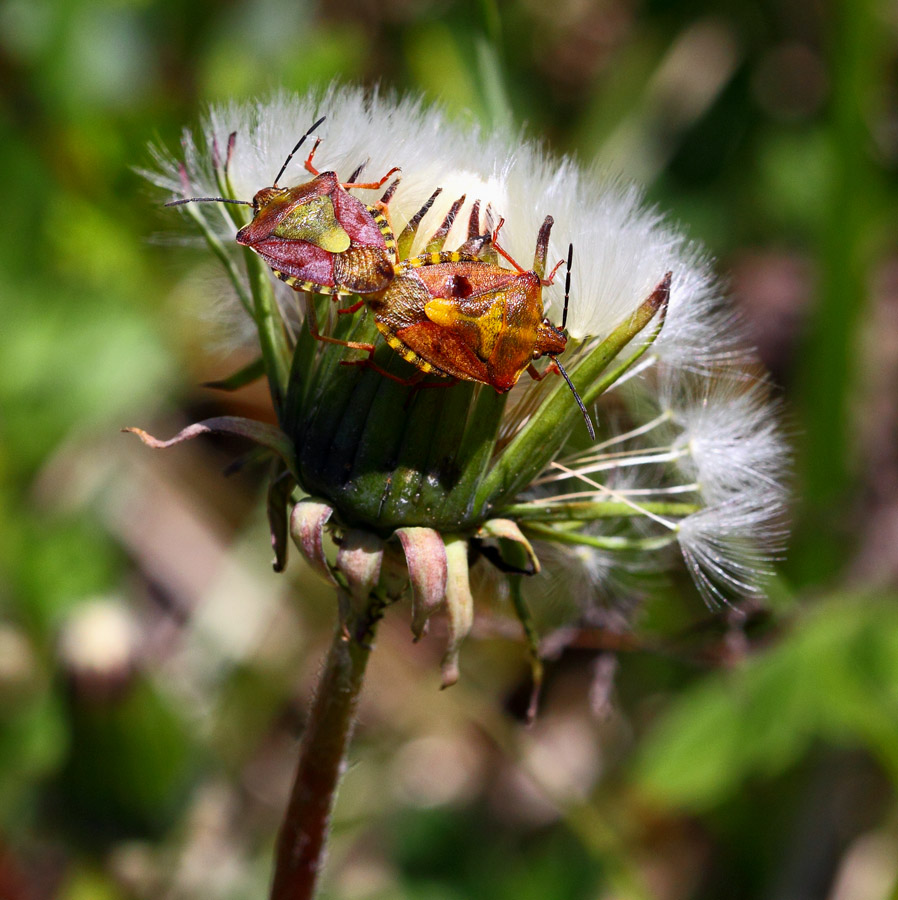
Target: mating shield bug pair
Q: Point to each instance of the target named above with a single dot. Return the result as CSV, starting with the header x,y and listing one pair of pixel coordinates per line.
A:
x,y
457,314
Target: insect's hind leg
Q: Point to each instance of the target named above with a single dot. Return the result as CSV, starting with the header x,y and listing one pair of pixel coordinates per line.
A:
x,y
348,310
369,363
312,322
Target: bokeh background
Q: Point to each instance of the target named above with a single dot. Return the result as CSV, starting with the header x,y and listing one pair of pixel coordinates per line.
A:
x,y
154,671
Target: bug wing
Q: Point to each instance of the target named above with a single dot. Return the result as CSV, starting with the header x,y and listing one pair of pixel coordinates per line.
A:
x,y
298,259
314,222
359,221
401,318
494,313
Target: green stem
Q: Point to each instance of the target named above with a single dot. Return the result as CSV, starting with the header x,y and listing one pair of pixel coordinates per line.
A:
x,y
829,363
301,842
218,250
587,511
609,542
272,338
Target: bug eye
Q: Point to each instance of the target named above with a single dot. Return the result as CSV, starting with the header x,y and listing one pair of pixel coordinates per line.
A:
x,y
536,354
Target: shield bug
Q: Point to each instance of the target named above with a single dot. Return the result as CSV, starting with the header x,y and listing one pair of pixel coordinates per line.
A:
x,y
317,237
462,316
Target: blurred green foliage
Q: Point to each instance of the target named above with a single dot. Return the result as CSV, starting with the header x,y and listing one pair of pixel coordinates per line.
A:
x,y
749,757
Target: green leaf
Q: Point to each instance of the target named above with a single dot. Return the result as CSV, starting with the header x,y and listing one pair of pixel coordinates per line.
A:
x,y
833,678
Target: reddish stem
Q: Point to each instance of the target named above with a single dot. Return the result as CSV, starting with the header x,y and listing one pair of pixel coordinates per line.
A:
x,y
301,842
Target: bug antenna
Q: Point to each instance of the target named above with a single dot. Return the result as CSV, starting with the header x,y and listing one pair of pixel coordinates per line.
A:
x,y
567,295
570,384
299,143
208,200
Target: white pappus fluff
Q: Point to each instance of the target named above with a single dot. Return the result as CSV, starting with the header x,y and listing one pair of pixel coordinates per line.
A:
x,y
705,465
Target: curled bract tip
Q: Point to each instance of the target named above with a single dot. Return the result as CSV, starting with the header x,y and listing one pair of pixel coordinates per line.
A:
x,y
307,523
425,555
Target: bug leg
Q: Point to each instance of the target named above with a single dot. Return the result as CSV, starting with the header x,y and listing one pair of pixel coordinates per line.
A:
x,y
310,168
501,250
369,363
353,345
438,238
407,238
312,322
421,385
551,279
346,310
536,375
369,185
296,147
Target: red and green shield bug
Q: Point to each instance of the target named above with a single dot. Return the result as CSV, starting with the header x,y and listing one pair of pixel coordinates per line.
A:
x,y
316,236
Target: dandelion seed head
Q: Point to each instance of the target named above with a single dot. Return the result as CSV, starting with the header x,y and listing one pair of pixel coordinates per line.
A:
x,y
688,435
701,332
574,579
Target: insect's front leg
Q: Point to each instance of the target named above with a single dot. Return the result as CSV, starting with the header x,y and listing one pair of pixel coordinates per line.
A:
x,y
536,375
370,185
421,385
310,168
500,249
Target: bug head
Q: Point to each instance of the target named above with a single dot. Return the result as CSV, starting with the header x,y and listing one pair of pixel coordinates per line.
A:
x,y
263,197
